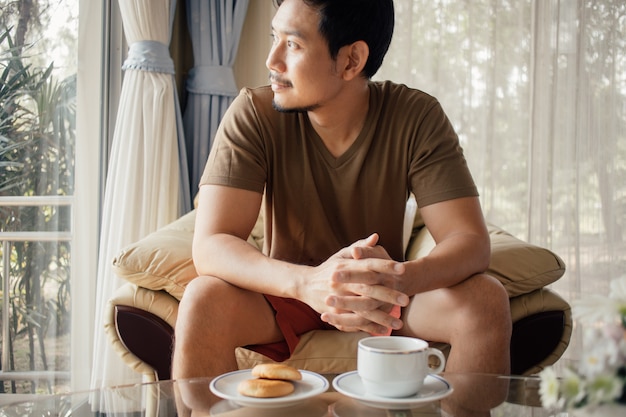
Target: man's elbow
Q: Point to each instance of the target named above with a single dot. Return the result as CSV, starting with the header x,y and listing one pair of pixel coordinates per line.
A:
x,y
483,253
202,254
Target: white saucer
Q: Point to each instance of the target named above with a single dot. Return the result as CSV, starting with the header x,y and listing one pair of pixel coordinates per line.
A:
x,y
225,386
434,388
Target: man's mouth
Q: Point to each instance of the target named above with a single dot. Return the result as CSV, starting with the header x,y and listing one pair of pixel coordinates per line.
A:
x,y
279,83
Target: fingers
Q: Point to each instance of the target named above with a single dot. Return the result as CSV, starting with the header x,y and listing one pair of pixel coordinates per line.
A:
x,y
350,251
352,302
382,318
366,248
369,241
363,252
370,271
372,321
363,286
358,312
366,297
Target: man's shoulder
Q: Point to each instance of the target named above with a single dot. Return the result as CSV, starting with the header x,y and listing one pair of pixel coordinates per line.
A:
x,y
257,96
390,89
400,100
252,104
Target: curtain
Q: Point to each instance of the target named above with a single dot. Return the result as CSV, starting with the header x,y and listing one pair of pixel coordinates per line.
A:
x,y
537,92
215,29
144,187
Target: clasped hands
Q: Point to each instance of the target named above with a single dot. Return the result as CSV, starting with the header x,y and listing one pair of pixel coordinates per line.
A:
x,y
359,286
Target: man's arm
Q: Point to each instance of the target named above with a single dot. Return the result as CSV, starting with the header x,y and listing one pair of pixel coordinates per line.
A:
x,y
462,246
225,217
224,220
462,250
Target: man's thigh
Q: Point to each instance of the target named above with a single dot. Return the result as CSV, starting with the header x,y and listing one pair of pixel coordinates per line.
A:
x,y
441,314
231,312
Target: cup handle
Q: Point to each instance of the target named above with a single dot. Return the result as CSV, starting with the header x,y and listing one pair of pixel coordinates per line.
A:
x,y
442,360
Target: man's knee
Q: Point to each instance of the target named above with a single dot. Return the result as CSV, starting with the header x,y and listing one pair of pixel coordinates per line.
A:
x,y
488,303
491,287
207,290
201,287
206,297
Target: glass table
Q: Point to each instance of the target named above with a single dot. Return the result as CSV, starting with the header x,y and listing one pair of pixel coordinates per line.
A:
x,y
471,395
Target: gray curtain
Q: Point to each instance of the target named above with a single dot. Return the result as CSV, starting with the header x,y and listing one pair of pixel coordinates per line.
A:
x,y
215,29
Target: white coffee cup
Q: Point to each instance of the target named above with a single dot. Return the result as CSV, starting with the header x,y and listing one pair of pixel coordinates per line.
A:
x,y
395,366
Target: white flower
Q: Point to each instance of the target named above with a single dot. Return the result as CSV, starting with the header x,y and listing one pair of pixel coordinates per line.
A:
x,y
616,346
592,362
618,289
595,310
599,378
605,389
572,388
549,389
602,354
618,293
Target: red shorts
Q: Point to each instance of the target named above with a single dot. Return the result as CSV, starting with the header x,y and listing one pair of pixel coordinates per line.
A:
x,y
294,318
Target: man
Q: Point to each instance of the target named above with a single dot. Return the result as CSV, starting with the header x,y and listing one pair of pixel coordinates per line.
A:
x,y
331,158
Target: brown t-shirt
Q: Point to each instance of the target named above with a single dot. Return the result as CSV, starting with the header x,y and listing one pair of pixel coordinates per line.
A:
x,y
316,204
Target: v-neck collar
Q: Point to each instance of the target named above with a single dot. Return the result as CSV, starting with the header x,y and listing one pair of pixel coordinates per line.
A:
x,y
361,140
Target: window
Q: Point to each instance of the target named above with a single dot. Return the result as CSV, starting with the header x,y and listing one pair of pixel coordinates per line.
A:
x,y
537,92
50,119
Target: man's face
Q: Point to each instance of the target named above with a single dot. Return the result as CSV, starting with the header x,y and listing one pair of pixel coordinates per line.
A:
x,y
302,74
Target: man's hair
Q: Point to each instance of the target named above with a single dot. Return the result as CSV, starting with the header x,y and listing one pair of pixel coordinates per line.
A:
x,y
343,22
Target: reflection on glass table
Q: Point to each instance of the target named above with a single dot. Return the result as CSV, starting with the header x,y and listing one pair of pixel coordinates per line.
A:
x,y
469,395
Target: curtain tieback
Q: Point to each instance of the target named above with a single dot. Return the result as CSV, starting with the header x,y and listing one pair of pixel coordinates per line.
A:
x,y
218,80
151,56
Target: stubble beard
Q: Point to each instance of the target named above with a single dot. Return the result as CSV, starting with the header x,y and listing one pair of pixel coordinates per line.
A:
x,y
303,109
283,109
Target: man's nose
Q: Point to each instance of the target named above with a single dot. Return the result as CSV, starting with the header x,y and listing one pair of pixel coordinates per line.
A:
x,y
274,61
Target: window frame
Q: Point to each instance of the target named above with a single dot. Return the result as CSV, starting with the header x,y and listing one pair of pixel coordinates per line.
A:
x,y
99,82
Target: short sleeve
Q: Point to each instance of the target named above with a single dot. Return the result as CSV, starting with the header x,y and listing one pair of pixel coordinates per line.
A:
x,y
237,157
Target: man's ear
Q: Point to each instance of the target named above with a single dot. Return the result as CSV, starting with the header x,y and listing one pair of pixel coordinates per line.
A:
x,y
355,58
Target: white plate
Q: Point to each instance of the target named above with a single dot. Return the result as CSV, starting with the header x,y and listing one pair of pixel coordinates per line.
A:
x,y
434,388
225,386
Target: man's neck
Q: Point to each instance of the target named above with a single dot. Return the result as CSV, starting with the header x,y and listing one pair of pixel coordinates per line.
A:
x,y
340,123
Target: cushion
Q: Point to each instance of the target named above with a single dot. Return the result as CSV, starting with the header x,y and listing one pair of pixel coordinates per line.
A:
x,y
162,260
520,266
327,351
320,351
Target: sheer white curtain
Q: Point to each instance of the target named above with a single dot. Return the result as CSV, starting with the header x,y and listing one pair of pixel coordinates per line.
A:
x,y
143,188
537,92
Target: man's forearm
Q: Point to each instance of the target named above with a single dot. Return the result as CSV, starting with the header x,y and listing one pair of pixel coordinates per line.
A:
x,y
449,263
238,262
